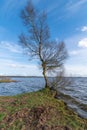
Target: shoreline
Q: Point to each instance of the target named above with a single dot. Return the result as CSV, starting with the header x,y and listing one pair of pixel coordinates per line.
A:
x,y
7,80
40,107
74,105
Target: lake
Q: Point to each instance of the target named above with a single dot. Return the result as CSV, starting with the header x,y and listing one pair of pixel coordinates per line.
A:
x,y
75,95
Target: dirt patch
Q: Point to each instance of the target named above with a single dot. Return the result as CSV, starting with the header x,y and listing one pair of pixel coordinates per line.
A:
x,y
34,119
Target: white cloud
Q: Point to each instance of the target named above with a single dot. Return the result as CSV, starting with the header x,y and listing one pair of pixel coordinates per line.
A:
x,y
84,29
77,63
83,43
82,52
11,67
19,65
12,47
74,52
76,70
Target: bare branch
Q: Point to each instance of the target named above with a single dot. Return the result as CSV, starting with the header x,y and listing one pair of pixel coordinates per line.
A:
x,y
37,42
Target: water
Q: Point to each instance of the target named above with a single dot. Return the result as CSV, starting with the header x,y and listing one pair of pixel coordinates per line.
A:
x,y
22,86
75,95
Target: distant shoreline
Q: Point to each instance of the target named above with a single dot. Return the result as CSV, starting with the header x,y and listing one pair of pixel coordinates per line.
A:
x,y
40,76
6,80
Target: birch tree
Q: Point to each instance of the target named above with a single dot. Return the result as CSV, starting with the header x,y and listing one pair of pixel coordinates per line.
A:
x,y
38,43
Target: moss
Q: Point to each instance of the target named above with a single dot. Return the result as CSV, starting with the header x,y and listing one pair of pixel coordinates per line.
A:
x,y
36,109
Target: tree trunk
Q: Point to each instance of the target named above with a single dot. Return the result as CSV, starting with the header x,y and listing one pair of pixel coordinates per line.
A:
x,y
45,77
43,67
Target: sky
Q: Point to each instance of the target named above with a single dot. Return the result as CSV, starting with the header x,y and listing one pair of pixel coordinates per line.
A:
x,y
67,21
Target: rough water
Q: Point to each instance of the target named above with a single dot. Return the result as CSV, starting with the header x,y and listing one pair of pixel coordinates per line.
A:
x,y
75,95
22,86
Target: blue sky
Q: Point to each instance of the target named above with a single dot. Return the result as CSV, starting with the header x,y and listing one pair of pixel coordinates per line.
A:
x,y
67,20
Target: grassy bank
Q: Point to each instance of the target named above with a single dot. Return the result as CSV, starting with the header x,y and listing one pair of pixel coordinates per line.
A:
x,y
37,111
6,80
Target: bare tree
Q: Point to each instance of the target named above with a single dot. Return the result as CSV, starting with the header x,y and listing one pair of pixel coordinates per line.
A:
x,y
38,43
60,81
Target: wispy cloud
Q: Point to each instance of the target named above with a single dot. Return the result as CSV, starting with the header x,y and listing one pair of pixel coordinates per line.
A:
x,y
12,47
52,7
76,70
82,29
18,65
81,49
11,6
73,5
80,53
11,67
74,52
67,11
77,47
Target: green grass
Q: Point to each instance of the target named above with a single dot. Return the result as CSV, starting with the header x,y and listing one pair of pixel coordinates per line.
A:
x,y
2,115
27,111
